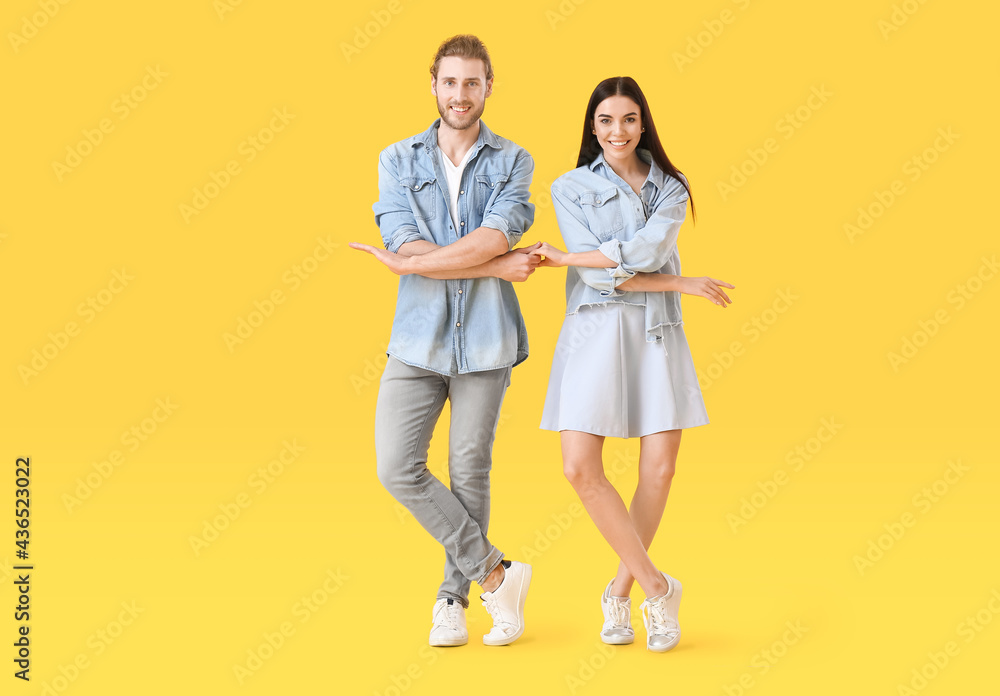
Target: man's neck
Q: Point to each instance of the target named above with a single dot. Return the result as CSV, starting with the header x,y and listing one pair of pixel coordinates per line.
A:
x,y
456,143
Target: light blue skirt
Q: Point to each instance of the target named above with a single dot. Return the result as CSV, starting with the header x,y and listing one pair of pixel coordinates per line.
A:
x,y
607,379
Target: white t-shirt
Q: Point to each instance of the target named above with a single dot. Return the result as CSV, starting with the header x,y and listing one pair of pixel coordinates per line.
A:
x,y
454,176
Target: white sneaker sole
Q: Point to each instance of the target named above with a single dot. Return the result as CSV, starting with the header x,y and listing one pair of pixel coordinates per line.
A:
x,y
448,642
522,593
618,640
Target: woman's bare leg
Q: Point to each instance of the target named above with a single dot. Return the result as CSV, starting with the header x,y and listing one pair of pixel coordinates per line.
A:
x,y
657,460
584,468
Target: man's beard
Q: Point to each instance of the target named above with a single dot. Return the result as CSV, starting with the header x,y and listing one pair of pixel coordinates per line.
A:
x,y
459,122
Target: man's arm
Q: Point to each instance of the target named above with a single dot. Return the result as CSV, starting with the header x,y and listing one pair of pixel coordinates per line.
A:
x,y
504,222
514,266
475,248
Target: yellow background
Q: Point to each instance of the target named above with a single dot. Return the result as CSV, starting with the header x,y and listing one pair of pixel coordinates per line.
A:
x,y
308,373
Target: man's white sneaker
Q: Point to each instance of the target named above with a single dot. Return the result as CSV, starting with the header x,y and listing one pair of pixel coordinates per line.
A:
x,y
506,604
449,624
659,614
617,618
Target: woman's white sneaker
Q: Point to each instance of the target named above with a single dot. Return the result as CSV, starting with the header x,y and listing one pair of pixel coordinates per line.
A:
x,y
506,604
617,628
659,614
449,624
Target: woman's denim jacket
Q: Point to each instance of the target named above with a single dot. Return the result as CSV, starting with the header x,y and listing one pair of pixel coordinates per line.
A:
x,y
597,209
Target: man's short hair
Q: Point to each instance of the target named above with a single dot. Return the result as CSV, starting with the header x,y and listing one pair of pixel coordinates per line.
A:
x,y
464,46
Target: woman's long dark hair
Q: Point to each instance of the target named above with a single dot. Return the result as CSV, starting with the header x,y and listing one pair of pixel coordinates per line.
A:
x,y
590,148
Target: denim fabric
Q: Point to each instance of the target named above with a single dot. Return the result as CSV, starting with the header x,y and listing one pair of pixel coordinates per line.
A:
x,y
455,326
597,209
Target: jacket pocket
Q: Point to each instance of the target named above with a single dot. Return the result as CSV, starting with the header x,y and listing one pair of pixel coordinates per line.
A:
x,y
604,213
422,194
488,185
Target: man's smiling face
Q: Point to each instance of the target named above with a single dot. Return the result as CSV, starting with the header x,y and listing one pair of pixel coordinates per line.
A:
x,y
461,89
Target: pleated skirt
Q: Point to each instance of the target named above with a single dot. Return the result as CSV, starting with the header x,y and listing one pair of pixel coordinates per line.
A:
x,y
607,379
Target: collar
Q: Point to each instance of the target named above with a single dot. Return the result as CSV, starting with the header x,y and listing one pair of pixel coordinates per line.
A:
x,y
429,138
656,175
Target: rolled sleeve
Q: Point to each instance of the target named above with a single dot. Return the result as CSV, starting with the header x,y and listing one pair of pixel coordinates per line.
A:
x,y
652,245
510,209
393,215
576,234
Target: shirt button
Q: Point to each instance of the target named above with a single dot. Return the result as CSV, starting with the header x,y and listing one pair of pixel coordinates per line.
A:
x,y
458,323
462,224
461,192
459,292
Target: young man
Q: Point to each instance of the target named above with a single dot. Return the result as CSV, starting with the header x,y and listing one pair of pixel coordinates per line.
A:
x,y
453,202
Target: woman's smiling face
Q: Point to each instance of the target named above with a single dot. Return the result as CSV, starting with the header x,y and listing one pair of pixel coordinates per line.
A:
x,y
618,126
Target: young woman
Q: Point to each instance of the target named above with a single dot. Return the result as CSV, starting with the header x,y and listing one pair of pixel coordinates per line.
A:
x,y
622,367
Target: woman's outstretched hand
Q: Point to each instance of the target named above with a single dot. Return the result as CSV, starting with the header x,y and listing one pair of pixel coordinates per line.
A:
x,y
709,288
550,256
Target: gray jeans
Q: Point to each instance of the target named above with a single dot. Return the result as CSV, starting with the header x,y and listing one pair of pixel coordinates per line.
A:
x,y
410,401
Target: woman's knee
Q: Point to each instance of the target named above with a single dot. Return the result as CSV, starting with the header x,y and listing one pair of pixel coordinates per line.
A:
x,y
658,476
583,474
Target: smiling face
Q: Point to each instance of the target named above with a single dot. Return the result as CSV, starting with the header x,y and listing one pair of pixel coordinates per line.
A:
x,y
618,127
461,89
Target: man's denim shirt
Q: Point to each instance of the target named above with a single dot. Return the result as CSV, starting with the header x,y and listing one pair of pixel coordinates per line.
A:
x,y
455,326
597,209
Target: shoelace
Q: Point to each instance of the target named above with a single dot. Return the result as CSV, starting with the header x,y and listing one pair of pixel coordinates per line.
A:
x,y
494,612
656,618
450,615
619,612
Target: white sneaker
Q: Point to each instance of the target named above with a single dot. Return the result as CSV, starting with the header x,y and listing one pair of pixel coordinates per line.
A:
x,y
449,624
659,614
506,604
617,618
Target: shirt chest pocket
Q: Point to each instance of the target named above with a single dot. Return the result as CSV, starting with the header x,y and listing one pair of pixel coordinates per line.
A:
x,y
488,186
422,194
603,212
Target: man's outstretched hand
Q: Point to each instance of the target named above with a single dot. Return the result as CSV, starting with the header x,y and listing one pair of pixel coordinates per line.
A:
x,y
394,262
